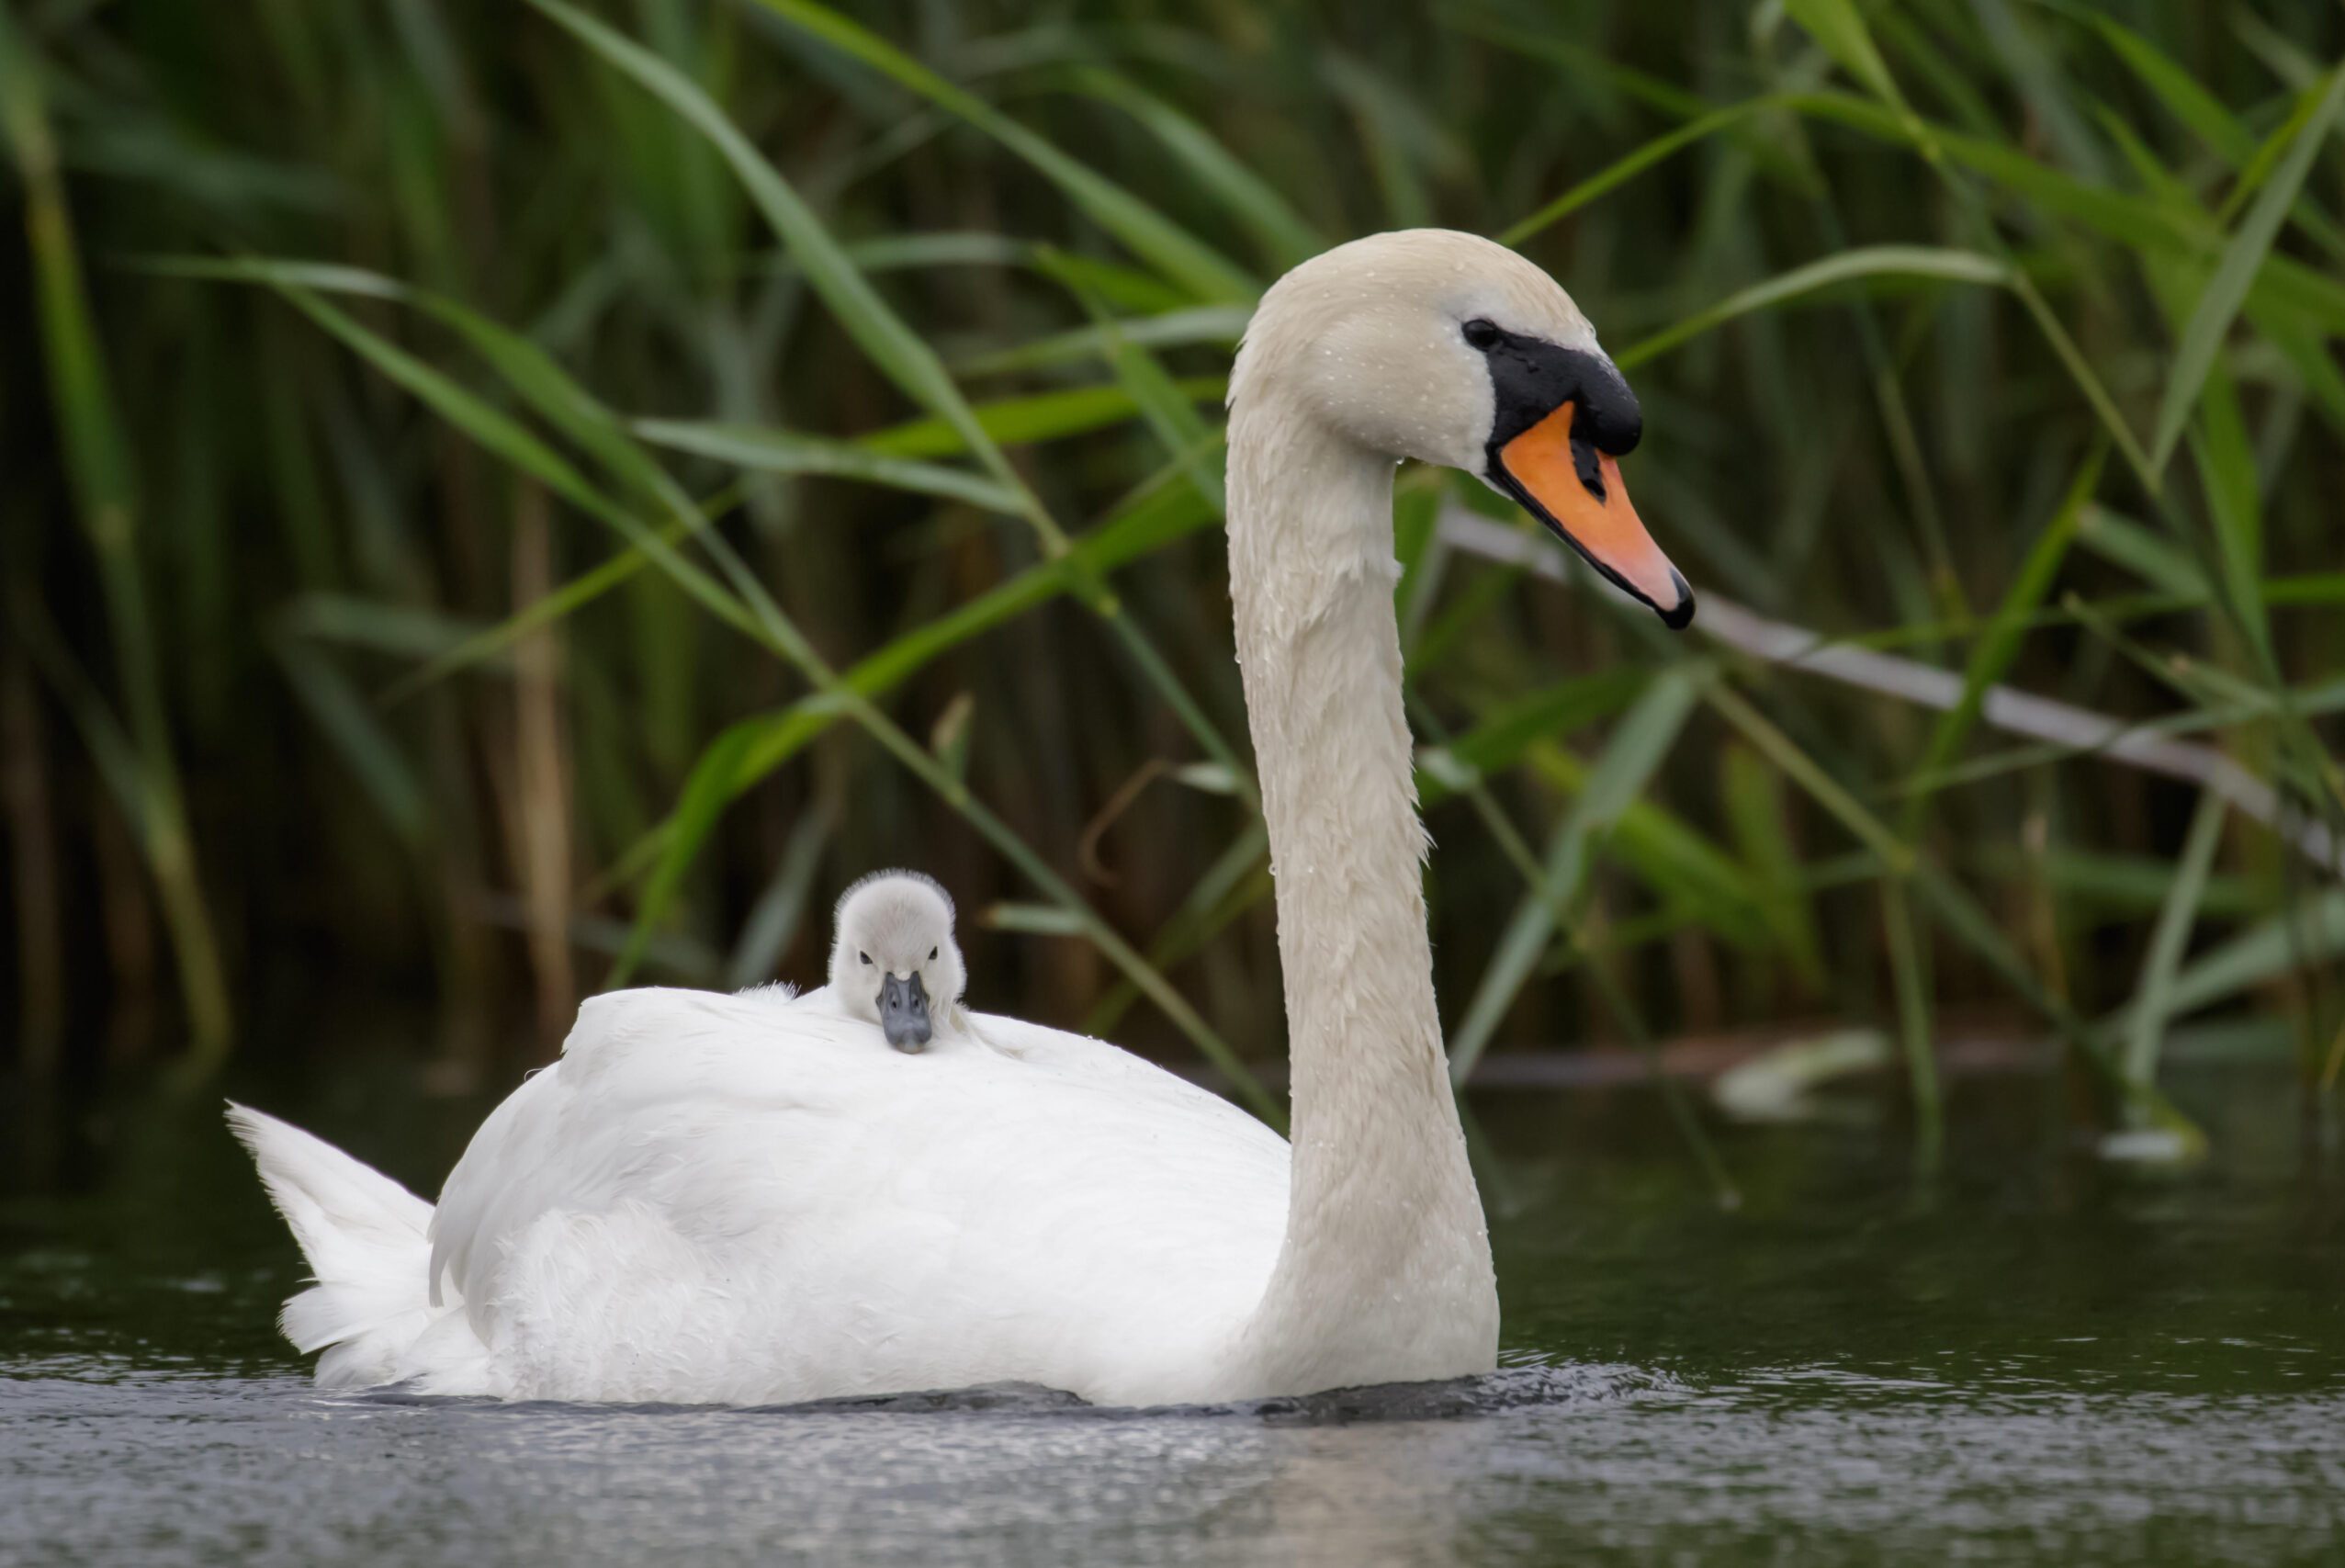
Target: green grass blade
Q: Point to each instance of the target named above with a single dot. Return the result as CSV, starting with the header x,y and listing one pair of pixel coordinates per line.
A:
x,y
2306,937
2081,371
1840,28
2149,171
347,720
2226,465
2227,290
1822,788
707,791
533,373
2042,88
892,346
99,469
1281,232
1760,817
112,751
2178,89
1220,325
1171,417
1637,748
1592,966
2300,343
2143,224
779,914
899,353
1670,855
1501,737
1165,513
859,311
404,631
1148,234
2153,999
1129,286
1564,47
1238,878
1909,979
1403,145
1622,170
768,451
1992,654
1872,260
2124,542
1035,419
2121,887
506,438
1954,907
572,596
2269,153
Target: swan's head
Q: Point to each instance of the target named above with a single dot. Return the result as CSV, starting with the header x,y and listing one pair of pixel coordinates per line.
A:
x,y
892,960
1451,349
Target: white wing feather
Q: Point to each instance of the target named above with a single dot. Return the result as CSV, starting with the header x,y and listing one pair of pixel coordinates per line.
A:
x,y
750,1198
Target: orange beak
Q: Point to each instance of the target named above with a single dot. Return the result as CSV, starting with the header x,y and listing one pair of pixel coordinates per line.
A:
x,y
1577,491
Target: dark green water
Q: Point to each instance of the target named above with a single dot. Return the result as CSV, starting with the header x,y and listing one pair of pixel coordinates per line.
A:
x,y
2033,1359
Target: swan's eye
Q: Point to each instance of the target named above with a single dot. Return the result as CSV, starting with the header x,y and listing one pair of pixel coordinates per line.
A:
x,y
864,956
1482,333
931,953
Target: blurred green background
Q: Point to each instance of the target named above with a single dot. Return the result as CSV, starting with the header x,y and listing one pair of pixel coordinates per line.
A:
x,y
506,499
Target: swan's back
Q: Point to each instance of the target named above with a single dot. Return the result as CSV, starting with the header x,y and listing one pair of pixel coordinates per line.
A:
x,y
752,1199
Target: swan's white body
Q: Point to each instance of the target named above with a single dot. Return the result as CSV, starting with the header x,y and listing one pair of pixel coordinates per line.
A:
x,y
750,1199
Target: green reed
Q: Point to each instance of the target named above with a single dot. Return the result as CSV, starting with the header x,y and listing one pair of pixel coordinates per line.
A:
x,y
605,479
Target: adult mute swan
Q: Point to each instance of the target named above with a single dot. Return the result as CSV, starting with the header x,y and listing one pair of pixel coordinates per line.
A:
x,y
738,1200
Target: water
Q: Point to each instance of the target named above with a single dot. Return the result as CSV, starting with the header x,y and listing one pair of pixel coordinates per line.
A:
x,y
2033,1359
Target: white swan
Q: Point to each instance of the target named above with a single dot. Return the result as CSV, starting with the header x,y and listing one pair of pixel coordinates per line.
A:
x,y
739,1200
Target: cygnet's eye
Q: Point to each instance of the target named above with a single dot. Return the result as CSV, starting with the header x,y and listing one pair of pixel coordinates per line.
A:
x,y
931,953
1482,333
864,956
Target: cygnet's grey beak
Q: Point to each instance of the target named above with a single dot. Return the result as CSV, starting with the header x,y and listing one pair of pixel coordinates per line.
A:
x,y
903,1013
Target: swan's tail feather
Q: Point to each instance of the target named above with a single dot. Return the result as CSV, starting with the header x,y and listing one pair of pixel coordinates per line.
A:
x,y
365,1236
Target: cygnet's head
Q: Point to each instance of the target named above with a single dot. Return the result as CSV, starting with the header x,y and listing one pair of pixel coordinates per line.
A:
x,y
892,960
1452,349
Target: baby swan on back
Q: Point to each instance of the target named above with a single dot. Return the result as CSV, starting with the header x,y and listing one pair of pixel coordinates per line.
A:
x,y
893,959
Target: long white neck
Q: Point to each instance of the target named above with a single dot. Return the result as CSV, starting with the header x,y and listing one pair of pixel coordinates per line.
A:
x,y
1385,1272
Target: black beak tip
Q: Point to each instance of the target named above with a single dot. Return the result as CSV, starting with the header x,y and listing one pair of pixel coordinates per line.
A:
x,y
1681,615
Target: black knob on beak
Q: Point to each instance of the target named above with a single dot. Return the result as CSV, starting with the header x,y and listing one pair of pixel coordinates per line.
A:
x,y
903,1013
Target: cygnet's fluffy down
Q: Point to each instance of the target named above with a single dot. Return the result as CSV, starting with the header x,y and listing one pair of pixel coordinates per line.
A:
x,y
893,959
